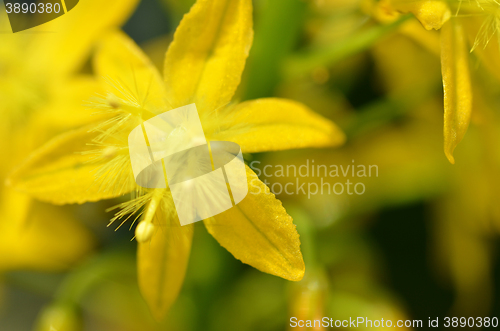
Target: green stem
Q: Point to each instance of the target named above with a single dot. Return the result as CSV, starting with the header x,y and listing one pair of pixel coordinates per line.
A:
x,y
386,110
277,31
304,63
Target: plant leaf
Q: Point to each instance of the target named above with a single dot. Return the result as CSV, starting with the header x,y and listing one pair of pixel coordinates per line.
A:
x,y
259,232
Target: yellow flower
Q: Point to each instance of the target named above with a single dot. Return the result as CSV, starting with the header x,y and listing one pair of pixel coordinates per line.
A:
x,y
40,95
465,211
464,27
203,65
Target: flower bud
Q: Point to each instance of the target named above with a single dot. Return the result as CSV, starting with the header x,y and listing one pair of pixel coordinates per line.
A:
x,y
59,318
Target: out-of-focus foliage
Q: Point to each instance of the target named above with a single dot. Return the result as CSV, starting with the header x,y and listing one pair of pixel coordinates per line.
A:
x,y
421,241
40,95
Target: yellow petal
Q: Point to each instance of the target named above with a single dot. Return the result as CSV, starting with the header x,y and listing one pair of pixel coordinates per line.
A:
x,y
75,33
205,61
259,232
271,125
129,73
36,236
457,85
431,13
59,173
163,260
66,109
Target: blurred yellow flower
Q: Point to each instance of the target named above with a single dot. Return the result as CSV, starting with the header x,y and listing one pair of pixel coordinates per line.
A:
x,y
40,95
465,213
203,65
465,210
463,26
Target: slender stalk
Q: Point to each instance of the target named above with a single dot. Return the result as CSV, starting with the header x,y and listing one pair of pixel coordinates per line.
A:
x,y
305,62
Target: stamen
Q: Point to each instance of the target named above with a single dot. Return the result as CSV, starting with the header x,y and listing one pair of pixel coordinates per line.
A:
x,y
144,231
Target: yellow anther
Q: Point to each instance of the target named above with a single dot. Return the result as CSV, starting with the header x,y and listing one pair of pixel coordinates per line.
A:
x,y
144,231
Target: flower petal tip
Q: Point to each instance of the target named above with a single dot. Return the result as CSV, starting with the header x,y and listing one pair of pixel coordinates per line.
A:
x,y
298,276
449,156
